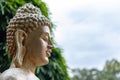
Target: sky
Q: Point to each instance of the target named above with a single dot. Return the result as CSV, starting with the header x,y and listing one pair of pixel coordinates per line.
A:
x,y
88,31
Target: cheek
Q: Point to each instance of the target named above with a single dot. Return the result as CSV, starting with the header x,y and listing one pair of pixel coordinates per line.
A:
x,y
43,45
39,46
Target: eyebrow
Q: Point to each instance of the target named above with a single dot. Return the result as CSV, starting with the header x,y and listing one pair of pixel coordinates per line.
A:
x,y
46,33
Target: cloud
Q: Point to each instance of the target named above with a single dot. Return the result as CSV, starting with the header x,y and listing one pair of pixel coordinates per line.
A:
x,y
90,42
88,30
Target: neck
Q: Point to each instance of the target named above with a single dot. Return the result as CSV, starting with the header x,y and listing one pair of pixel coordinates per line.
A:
x,y
28,65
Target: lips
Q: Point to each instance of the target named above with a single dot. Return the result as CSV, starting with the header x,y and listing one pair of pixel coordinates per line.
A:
x,y
48,52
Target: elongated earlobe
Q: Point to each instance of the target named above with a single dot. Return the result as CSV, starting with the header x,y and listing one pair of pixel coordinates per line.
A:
x,y
20,39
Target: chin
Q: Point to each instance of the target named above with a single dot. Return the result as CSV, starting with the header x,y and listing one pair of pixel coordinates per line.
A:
x,y
44,62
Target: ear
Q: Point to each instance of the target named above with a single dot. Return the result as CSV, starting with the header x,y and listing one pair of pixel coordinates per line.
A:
x,y
20,37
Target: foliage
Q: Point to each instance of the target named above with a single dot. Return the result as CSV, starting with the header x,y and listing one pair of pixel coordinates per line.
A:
x,y
111,71
56,69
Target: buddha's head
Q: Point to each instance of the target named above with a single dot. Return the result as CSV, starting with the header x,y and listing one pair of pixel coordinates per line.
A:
x,y
28,36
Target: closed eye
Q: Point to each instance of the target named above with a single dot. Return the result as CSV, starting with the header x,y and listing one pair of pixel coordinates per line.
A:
x,y
45,37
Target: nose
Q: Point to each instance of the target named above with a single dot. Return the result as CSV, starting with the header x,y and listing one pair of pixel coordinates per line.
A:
x,y
50,46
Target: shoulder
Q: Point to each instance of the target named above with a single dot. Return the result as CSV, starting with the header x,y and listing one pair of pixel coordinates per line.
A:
x,y
7,78
7,75
17,74
10,74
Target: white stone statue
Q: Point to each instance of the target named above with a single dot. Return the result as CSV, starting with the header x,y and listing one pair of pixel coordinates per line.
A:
x,y
29,44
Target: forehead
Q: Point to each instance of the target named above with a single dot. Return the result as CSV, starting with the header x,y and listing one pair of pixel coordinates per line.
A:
x,y
39,31
45,29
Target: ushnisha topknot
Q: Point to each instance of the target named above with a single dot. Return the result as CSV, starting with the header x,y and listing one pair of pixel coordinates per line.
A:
x,y
27,18
28,8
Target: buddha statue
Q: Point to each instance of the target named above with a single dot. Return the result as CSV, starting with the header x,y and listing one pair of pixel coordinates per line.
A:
x,y
28,42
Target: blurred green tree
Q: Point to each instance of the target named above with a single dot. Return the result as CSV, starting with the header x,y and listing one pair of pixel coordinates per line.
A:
x,y
111,71
57,68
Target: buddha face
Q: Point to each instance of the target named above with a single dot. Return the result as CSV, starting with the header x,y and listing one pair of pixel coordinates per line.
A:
x,y
38,46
